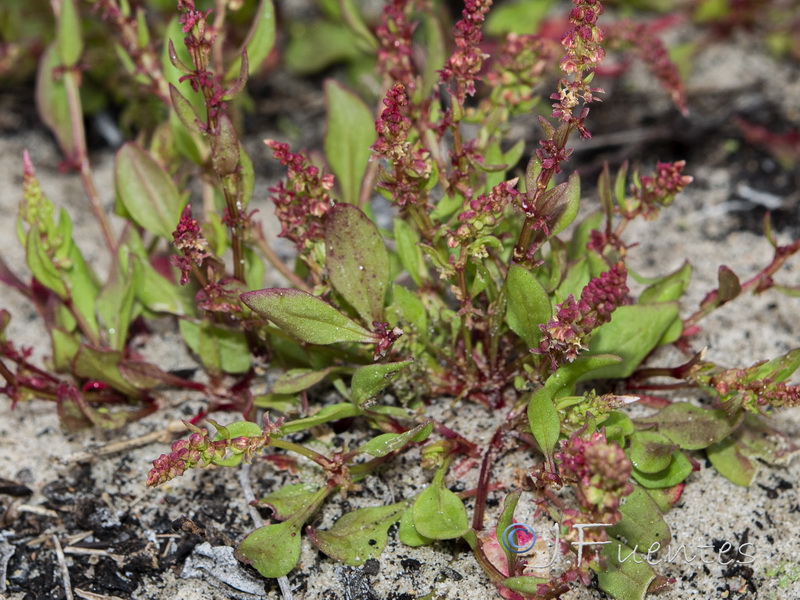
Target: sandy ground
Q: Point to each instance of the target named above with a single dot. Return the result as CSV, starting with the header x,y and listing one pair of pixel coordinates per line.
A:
x,y
34,451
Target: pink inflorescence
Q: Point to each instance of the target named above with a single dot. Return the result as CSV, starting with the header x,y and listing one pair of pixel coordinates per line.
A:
x,y
660,189
190,241
465,63
566,334
601,471
582,42
301,202
410,161
484,212
394,36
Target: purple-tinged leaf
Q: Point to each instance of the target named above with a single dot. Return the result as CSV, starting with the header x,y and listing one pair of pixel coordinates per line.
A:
x,y
240,82
225,152
185,111
306,317
144,375
147,191
358,263
692,427
650,451
730,460
103,365
729,286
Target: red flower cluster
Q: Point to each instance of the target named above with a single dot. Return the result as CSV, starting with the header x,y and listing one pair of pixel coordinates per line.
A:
x,y
738,389
602,473
566,334
465,63
410,160
300,203
660,190
582,42
200,450
190,241
643,42
394,35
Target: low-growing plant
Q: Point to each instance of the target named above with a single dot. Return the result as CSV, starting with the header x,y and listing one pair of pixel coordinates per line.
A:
x,y
478,287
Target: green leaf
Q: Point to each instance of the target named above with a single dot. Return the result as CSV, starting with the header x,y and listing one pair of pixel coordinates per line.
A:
x,y
544,421
692,427
298,380
407,533
52,101
434,53
409,252
650,451
69,40
41,265
289,499
352,17
348,138
358,535
633,332
521,17
623,578
369,380
259,42
101,365
618,426
307,317
274,550
668,288
642,523
524,584
65,347
357,260
387,443
153,290
147,191
219,347
115,306
577,244
439,513
325,415
506,520
410,309
731,461
528,305
675,473
314,46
